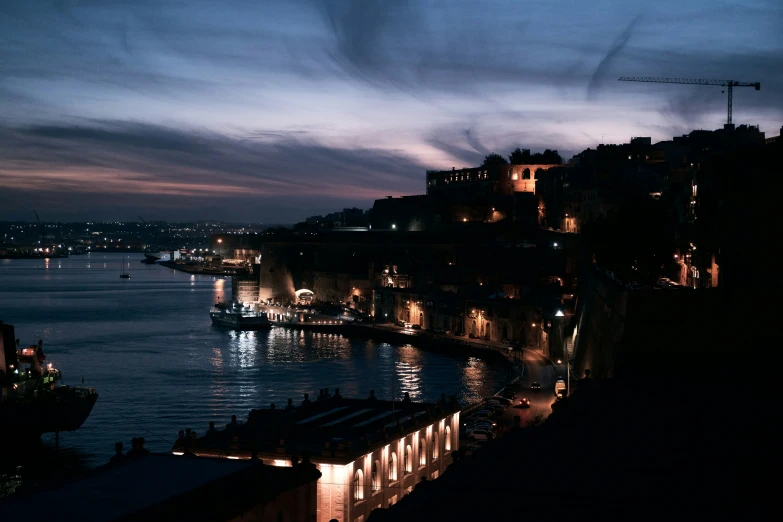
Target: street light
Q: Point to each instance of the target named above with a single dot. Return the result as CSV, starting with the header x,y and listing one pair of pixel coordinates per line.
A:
x,y
394,227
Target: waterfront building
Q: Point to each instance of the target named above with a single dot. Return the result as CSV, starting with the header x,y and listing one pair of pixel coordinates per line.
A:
x,y
165,487
370,452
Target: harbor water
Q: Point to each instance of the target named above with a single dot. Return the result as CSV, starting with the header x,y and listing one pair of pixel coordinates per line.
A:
x,y
147,345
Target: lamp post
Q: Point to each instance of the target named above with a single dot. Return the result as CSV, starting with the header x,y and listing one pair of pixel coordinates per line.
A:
x,y
220,248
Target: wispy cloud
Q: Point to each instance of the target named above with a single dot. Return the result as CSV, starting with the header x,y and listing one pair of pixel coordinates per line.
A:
x,y
140,160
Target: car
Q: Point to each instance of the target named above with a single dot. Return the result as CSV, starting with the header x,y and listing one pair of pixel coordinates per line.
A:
x,y
416,326
472,421
400,323
535,386
477,445
524,402
480,435
480,426
502,400
472,336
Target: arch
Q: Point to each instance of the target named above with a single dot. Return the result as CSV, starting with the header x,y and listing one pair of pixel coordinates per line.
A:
x,y
489,329
447,437
435,446
473,328
392,467
376,476
538,173
408,459
358,485
526,174
423,452
421,318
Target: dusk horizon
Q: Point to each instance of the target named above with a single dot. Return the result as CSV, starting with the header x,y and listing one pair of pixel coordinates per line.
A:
x,y
278,112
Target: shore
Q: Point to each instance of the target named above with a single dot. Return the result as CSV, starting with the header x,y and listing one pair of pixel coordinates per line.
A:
x,y
195,269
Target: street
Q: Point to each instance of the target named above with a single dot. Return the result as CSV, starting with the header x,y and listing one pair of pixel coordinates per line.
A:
x,y
537,369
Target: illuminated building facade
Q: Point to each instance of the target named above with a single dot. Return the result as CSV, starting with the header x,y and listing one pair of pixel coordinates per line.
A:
x,y
370,453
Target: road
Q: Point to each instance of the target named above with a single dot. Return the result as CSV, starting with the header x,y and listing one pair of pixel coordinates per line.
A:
x,y
537,369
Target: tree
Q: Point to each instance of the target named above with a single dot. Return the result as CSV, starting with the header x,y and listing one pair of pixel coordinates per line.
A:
x,y
519,156
494,159
548,157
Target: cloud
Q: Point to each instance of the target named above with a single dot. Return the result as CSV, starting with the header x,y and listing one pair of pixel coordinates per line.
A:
x,y
105,161
603,66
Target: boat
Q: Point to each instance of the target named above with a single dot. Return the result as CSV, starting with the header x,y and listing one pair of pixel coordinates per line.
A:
x,y
33,399
124,274
150,259
238,317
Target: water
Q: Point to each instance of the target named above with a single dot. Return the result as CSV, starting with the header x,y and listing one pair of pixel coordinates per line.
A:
x,y
148,346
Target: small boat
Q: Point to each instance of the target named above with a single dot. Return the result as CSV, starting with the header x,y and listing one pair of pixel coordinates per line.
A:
x,y
31,400
238,317
150,259
124,274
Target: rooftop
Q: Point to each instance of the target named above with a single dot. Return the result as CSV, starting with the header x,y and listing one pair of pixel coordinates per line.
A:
x,y
154,487
336,430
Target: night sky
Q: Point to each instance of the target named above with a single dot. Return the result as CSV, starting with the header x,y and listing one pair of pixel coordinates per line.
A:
x,y
271,111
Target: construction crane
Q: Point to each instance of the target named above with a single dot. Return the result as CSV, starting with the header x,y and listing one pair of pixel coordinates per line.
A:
x,y
722,83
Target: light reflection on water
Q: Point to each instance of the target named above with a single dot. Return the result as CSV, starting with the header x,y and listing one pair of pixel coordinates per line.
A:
x,y
148,346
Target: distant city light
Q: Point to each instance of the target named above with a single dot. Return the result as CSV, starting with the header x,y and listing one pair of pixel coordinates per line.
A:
x,y
394,226
559,314
554,244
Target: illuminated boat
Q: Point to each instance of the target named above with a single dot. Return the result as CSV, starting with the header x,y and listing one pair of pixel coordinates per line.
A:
x,y
31,400
238,317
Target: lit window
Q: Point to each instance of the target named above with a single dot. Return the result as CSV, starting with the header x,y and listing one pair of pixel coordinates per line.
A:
x,y
408,459
392,467
423,452
358,487
376,478
448,438
435,444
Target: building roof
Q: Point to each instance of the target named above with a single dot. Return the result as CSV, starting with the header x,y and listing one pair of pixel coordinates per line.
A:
x,y
337,430
154,486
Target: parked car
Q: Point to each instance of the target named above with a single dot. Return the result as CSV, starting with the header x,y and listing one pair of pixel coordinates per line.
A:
x,y
479,434
473,336
474,420
480,426
477,445
400,323
524,402
416,326
535,386
502,400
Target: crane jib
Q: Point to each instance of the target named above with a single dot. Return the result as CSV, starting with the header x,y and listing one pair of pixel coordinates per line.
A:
x,y
696,81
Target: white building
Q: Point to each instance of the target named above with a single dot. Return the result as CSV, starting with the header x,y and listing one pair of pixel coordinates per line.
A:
x,y
370,453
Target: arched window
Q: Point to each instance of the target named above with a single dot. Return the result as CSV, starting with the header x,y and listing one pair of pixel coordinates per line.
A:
x,y
526,174
408,459
358,486
423,452
448,438
435,448
376,477
392,467
514,176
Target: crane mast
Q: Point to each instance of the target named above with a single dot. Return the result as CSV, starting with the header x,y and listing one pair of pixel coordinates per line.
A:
x,y
688,81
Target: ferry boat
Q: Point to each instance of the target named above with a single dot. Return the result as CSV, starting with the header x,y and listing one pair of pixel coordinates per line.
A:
x,y
31,400
238,317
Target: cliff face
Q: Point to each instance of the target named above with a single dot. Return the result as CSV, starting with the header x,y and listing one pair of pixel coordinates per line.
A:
x,y
648,333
